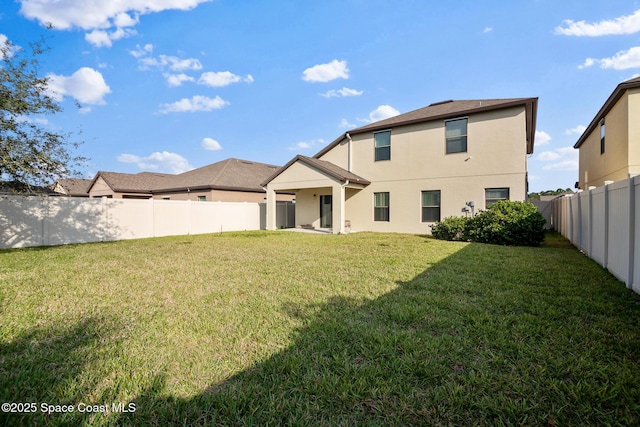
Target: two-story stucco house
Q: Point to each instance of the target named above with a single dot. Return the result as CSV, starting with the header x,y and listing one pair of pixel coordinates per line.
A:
x,y
610,146
406,172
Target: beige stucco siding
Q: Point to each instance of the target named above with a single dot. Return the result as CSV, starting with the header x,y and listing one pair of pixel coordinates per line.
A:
x,y
405,210
634,131
299,176
596,168
100,188
496,144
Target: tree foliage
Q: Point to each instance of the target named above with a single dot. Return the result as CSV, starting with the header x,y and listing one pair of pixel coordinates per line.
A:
x,y
536,196
31,151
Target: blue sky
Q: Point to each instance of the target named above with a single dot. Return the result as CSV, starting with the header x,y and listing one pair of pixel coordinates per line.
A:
x,y
170,85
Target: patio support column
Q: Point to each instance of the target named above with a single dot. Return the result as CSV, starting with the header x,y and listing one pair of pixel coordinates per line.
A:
x,y
338,213
271,209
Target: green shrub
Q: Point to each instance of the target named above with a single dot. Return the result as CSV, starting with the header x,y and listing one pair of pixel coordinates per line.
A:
x,y
451,228
504,223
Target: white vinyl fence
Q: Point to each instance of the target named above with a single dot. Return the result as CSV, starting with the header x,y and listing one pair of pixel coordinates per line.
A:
x,y
42,221
604,223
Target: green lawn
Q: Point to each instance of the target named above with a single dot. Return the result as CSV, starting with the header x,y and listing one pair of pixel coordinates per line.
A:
x,y
277,328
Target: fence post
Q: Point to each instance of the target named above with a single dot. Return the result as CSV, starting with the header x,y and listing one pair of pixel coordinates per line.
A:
x,y
590,225
605,261
632,229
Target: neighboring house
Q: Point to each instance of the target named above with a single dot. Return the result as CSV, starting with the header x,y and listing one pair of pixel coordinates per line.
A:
x,y
125,185
231,180
74,187
406,172
610,146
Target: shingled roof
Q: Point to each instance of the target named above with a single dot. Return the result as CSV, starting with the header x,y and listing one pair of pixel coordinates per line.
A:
x,y
230,174
328,168
142,182
76,187
615,96
447,110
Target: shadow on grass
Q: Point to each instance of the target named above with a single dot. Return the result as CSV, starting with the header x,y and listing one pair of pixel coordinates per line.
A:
x,y
42,367
490,336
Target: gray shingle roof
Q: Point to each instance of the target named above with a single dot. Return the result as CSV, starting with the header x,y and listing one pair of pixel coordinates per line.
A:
x,y
141,182
76,187
230,174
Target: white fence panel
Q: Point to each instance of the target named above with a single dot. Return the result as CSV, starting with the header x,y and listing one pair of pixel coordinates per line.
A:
x,y
22,221
618,258
37,221
128,219
605,224
635,183
73,220
598,228
585,216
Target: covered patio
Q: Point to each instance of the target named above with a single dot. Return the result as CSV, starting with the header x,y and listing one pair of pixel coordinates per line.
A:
x,y
322,190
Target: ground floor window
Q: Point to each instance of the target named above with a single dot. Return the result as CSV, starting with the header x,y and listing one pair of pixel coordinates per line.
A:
x,y
493,195
431,206
202,198
381,206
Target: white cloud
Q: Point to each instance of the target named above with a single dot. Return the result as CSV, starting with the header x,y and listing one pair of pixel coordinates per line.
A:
x,y
5,48
564,158
211,144
629,24
578,130
159,161
196,103
141,51
344,123
622,60
306,145
587,63
222,78
326,72
542,138
171,62
487,30
100,38
98,15
123,19
177,79
86,85
382,112
547,156
345,91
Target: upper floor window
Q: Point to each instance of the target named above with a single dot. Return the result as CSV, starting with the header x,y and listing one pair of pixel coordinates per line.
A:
x,y
602,134
202,198
456,135
494,195
431,206
381,206
382,144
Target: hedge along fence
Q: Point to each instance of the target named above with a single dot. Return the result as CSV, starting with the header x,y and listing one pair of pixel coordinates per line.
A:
x,y
504,223
43,221
604,223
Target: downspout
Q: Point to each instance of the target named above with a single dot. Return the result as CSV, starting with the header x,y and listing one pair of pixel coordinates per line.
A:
x,y
348,153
